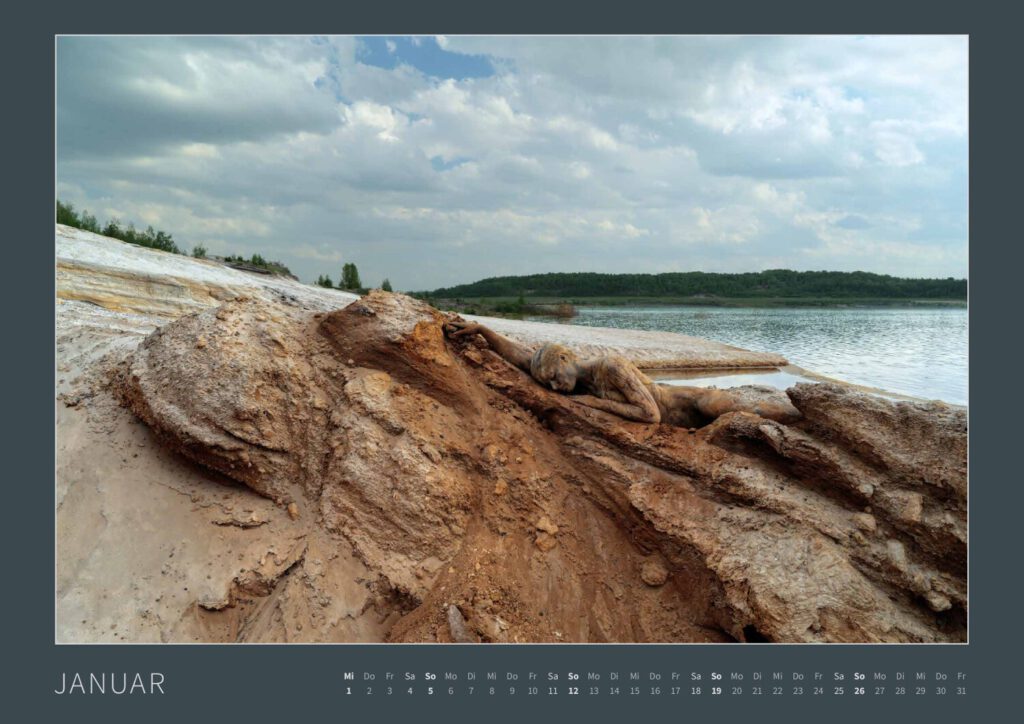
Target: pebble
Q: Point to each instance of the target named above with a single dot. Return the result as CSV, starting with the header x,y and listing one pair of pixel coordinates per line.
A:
x,y
457,627
937,602
865,521
545,524
545,541
653,572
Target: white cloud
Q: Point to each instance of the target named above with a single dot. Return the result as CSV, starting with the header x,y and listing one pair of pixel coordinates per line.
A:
x,y
381,119
729,225
200,150
611,154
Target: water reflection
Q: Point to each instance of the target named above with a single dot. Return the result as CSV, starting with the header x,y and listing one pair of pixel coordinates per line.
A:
x,y
780,379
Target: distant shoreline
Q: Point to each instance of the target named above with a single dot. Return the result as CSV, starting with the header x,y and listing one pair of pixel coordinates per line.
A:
x,y
775,302
536,305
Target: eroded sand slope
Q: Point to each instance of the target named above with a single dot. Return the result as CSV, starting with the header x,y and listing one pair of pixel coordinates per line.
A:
x,y
457,480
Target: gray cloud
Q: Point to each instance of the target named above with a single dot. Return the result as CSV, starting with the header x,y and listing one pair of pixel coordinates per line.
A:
x,y
602,154
131,95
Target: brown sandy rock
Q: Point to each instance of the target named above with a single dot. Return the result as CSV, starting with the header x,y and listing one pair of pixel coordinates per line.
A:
x,y
397,453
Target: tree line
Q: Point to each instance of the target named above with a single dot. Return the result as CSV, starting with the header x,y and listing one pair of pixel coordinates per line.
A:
x,y
770,283
156,239
152,238
349,280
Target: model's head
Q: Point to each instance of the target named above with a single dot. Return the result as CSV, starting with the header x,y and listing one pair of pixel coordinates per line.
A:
x,y
554,366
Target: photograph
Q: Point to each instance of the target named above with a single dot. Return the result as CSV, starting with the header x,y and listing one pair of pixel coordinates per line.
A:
x,y
503,339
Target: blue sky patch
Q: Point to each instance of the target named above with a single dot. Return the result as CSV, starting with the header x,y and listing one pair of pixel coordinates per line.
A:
x,y
440,164
424,54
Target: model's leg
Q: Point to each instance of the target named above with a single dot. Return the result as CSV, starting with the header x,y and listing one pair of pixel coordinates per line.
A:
x,y
678,406
767,402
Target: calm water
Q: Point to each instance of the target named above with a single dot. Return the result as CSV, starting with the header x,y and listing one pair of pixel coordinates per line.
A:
x,y
919,352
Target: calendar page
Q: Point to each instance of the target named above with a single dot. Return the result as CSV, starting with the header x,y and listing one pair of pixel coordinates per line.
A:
x,y
435,366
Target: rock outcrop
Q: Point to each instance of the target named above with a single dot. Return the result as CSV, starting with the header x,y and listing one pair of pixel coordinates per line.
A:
x,y
481,506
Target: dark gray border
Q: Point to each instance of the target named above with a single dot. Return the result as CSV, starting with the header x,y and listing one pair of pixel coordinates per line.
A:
x,y
284,682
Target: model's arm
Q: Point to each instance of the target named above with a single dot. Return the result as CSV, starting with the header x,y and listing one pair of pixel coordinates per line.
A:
x,y
513,352
639,403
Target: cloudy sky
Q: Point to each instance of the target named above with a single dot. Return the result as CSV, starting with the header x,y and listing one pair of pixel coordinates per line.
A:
x,y
439,160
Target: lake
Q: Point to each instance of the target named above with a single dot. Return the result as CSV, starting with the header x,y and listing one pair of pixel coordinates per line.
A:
x,y
909,351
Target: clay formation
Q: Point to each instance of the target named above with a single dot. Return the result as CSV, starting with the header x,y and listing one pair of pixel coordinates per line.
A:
x,y
482,506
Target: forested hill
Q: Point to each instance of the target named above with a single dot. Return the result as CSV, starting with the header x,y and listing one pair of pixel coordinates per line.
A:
x,y
773,283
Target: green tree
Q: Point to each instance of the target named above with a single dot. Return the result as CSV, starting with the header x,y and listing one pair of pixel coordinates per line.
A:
x,y
324,280
113,229
386,285
156,240
350,277
199,251
151,238
89,222
131,235
66,214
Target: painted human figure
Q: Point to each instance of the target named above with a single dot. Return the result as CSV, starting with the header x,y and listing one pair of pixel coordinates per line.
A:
x,y
614,384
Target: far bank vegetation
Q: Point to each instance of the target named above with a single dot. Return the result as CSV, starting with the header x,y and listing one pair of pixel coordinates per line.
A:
x,y
774,287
